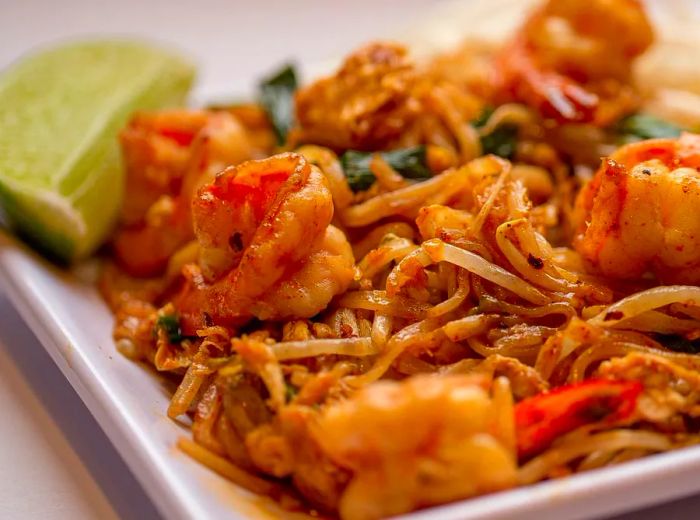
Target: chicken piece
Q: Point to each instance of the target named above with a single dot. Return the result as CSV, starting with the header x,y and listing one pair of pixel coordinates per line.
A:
x,y
266,247
424,441
144,248
639,213
380,100
286,448
365,105
572,59
133,329
670,389
525,381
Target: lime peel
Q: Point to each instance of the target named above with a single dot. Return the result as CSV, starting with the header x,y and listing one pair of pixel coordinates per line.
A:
x,y
61,179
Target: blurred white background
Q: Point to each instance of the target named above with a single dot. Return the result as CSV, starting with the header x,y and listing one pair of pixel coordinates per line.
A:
x,y
55,463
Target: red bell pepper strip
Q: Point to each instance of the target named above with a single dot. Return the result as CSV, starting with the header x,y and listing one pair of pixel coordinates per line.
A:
x,y
540,419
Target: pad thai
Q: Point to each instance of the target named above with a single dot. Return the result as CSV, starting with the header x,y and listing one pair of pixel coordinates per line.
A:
x,y
413,282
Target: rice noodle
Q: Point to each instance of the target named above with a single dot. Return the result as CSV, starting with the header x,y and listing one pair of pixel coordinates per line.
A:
x,y
388,178
465,134
534,273
372,239
358,347
396,345
187,390
455,300
578,369
513,114
689,310
442,252
495,190
378,301
329,164
613,349
645,301
391,248
404,200
408,270
523,350
381,330
228,470
463,328
595,460
658,322
524,336
542,465
488,303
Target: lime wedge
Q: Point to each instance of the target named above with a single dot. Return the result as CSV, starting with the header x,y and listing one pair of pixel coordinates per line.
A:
x,y
61,180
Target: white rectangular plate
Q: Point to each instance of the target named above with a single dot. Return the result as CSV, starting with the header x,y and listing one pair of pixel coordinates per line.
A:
x,y
129,401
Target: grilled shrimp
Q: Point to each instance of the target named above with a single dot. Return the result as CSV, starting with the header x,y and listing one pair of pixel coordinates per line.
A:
x,y
143,249
572,59
266,247
423,441
639,213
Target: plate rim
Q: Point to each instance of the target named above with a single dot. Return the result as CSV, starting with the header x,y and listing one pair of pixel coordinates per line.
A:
x,y
612,490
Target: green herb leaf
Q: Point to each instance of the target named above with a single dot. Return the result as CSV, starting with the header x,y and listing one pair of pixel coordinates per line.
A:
x,y
170,323
411,163
483,118
678,343
277,98
644,126
502,141
290,391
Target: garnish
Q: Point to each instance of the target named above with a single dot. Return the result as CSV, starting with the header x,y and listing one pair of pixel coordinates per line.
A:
x,y
411,163
277,98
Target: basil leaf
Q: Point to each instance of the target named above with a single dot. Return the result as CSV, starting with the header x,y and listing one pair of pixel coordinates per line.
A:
x,y
277,98
170,323
290,392
678,343
411,163
502,141
644,126
483,117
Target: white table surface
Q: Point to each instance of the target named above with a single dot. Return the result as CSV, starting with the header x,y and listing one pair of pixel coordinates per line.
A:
x,y
55,462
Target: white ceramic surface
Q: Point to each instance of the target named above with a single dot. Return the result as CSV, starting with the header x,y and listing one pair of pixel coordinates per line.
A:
x,y
129,402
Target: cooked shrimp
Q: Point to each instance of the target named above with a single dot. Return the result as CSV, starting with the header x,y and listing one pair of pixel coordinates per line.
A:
x,y
572,59
639,213
155,147
266,247
424,441
326,272
144,249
